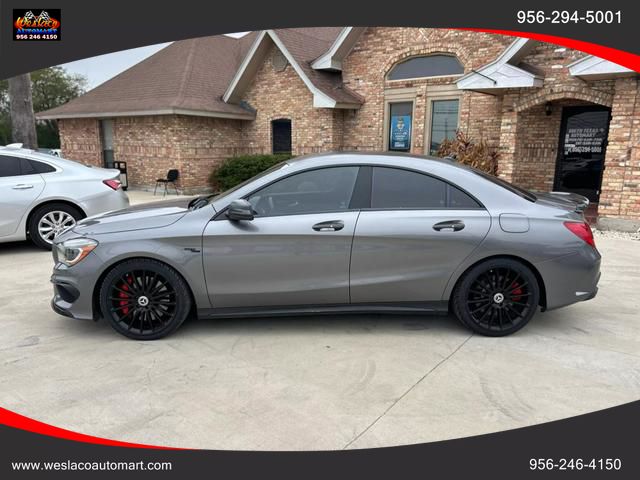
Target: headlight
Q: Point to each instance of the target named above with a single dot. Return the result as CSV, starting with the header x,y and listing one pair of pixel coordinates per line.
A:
x,y
73,251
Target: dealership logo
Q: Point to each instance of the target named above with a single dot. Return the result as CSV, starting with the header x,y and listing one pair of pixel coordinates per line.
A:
x,y
37,24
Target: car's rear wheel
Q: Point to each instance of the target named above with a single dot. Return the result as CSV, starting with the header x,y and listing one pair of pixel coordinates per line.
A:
x,y
49,221
497,297
144,299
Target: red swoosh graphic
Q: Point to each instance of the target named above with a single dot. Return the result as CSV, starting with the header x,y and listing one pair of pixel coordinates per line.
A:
x,y
15,420
620,57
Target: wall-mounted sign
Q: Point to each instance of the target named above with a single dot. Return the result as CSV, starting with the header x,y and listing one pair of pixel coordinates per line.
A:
x,y
400,132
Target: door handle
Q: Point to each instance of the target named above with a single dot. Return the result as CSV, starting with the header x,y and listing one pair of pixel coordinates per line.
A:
x,y
22,186
449,225
330,226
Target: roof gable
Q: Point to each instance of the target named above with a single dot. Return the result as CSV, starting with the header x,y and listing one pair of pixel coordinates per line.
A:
x,y
300,47
341,47
596,68
504,72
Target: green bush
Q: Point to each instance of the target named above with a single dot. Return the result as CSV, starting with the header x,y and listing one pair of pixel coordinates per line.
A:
x,y
236,170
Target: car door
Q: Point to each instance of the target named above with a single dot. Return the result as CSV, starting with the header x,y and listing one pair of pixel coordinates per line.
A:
x,y
19,188
417,231
295,251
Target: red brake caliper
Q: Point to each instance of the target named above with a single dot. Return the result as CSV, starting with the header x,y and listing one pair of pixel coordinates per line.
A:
x,y
515,291
124,296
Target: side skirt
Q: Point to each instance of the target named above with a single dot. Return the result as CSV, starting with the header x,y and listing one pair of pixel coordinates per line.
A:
x,y
420,308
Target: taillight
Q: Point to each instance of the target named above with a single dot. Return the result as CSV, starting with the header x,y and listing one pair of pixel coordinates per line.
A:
x,y
115,184
582,230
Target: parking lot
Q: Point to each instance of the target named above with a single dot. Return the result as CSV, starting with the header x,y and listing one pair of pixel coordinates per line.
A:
x,y
315,382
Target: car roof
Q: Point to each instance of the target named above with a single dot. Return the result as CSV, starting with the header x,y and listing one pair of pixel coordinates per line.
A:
x,y
19,151
396,159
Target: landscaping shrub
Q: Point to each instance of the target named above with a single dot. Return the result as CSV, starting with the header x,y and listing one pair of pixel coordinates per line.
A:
x,y
469,152
236,170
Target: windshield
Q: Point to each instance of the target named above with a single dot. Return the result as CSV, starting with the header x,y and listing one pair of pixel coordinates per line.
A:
x,y
526,194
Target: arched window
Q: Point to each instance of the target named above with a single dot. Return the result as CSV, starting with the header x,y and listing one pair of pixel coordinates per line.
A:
x,y
429,66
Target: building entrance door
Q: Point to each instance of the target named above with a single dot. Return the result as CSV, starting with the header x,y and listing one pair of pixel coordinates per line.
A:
x,y
581,152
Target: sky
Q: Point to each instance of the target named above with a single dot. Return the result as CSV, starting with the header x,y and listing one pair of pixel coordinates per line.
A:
x,y
103,67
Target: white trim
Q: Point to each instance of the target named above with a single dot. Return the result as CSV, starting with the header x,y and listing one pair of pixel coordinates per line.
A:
x,y
243,66
143,113
502,72
595,68
332,58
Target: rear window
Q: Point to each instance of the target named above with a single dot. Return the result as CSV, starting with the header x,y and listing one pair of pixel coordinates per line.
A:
x,y
521,192
41,167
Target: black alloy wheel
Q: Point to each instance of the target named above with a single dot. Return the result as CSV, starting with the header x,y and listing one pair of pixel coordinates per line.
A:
x,y
497,297
144,299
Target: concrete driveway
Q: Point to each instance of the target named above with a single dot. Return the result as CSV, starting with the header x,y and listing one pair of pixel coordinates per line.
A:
x,y
315,382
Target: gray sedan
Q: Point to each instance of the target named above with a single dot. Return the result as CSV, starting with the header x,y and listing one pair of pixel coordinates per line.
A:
x,y
334,233
41,195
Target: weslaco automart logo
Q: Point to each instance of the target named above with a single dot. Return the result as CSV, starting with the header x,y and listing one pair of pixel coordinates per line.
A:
x,y
37,24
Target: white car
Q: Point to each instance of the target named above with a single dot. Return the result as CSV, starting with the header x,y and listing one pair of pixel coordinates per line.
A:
x,y
42,195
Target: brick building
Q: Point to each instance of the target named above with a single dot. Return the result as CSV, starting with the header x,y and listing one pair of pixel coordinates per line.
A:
x,y
560,119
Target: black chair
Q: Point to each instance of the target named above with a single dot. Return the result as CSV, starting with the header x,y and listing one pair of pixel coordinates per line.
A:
x,y
172,178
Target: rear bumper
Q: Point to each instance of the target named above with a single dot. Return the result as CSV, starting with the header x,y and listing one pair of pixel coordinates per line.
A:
x,y
570,279
106,202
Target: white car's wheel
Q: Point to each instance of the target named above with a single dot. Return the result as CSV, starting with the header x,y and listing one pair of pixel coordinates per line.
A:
x,y
49,221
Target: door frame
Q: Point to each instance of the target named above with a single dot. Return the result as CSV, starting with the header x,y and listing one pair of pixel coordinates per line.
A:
x,y
566,110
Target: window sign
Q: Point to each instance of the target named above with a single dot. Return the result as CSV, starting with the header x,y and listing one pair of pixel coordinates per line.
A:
x,y
584,139
400,126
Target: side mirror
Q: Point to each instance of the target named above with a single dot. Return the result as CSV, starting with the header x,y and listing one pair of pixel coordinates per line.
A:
x,y
240,210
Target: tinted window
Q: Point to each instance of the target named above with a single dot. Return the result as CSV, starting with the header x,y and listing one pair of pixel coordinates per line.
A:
x,y
526,194
26,167
9,166
430,66
459,199
444,122
395,188
315,191
40,167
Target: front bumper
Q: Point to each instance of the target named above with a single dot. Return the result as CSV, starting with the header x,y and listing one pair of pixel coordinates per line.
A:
x,y
73,288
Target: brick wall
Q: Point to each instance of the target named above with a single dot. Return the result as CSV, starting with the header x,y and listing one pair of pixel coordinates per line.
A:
x,y
379,49
152,145
282,94
80,140
620,196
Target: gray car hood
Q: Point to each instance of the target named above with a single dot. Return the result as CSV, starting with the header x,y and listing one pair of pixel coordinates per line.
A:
x,y
138,217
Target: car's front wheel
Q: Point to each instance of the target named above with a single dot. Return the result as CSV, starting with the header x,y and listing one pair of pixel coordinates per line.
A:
x,y
50,220
497,297
144,299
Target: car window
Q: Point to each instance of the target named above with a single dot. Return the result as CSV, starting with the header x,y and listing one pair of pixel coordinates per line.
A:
x,y
315,191
9,166
459,199
41,167
396,188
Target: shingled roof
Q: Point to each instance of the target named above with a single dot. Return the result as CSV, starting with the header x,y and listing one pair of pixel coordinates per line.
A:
x,y
191,76
188,77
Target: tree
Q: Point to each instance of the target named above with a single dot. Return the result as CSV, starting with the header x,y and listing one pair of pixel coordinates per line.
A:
x,y
23,121
50,87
